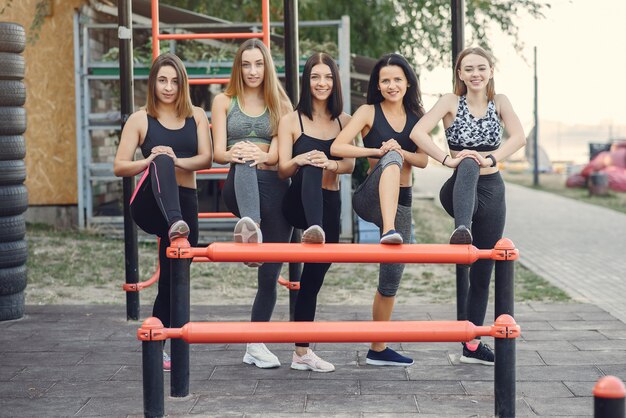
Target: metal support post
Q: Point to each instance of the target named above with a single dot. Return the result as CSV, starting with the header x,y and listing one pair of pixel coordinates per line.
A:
x,y
504,380
295,271
179,308
462,289
608,398
131,255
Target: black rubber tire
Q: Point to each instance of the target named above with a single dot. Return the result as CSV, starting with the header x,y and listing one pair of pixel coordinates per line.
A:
x,y
12,228
12,306
13,280
12,147
12,66
12,37
13,200
13,254
12,172
12,120
12,93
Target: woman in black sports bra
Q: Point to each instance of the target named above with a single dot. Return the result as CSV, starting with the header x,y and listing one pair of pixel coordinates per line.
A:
x,y
174,138
474,195
394,107
312,202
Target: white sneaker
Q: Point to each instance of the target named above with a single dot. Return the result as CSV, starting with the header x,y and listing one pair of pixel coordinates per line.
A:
x,y
314,235
310,361
260,356
247,231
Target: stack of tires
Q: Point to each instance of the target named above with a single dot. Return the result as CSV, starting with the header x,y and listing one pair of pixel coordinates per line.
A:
x,y
13,193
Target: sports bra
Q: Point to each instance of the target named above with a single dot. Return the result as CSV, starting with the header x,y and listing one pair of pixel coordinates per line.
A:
x,y
469,132
183,141
243,127
306,143
382,131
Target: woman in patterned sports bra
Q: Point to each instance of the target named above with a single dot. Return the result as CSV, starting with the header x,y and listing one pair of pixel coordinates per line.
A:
x,y
312,201
394,107
174,138
245,124
472,117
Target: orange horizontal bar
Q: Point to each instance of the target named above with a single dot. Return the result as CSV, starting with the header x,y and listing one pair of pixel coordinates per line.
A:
x,y
209,80
338,332
220,170
336,253
215,215
325,332
289,285
224,35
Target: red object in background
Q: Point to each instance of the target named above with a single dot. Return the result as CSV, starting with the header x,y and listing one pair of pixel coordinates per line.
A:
x,y
612,162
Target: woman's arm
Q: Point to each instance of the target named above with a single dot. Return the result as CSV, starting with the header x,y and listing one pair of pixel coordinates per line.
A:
x,y
516,139
204,158
287,166
124,164
417,159
344,146
219,110
421,131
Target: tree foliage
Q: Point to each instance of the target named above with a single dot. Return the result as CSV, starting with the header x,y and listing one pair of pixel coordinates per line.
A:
x,y
419,29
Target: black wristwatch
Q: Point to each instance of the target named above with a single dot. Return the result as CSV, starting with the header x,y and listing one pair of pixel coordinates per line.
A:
x,y
493,160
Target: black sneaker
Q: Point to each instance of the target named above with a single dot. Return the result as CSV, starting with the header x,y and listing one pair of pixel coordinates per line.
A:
x,y
387,357
391,237
482,355
461,235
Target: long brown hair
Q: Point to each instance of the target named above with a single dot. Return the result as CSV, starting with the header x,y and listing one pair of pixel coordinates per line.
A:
x,y
274,95
183,105
460,88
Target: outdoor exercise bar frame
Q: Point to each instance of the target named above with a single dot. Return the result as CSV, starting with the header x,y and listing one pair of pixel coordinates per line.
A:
x,y
152,334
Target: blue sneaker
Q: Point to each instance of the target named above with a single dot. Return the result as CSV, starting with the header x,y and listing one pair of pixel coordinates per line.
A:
x,y
391,237
387,357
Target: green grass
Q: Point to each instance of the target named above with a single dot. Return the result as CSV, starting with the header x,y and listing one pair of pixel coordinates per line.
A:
x,y
87,267
555,183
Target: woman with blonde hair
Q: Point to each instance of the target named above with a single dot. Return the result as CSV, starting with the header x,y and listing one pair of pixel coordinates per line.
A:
x,y
173,136
245,123
474,117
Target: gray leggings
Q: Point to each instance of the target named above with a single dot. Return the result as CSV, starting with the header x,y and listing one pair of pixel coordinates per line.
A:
x,y
366,204
477,202
244,186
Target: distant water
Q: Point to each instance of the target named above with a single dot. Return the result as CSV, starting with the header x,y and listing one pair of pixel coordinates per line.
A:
x,y
571,142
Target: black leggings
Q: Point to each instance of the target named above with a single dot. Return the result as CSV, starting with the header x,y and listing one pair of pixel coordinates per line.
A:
x,y
477,202
304,205
158,195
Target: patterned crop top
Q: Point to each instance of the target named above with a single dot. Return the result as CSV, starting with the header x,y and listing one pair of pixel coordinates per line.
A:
x,y
469,132
382,131
243,127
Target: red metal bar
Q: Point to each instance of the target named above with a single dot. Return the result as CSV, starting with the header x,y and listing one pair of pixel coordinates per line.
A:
x,y
224,35
340,253
265,11
209,80
326,332
155,29
218,170
216,215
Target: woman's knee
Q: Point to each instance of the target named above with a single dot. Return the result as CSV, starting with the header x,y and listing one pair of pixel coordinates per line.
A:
x,y
392,157
163,160
468,166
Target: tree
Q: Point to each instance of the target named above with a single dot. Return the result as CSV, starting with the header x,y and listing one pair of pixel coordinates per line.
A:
x,y
418,29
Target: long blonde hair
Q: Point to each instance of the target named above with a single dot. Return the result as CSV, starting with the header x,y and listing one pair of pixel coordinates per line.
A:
x,y
460,88
274,95
183,105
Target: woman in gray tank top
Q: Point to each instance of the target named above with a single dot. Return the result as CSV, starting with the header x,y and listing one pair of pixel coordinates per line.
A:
x,y
244,124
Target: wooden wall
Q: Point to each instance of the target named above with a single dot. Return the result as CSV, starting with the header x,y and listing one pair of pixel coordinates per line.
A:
x,y
50,102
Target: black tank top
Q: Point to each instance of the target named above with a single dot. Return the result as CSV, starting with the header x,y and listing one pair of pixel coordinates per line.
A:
x,y
184,141
382,131
306,143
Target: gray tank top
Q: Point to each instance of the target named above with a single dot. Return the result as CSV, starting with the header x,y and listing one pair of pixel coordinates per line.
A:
x,y
243,127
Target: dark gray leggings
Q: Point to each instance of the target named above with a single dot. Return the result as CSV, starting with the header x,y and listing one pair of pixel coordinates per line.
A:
x,y
274,227
477,202
366,204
